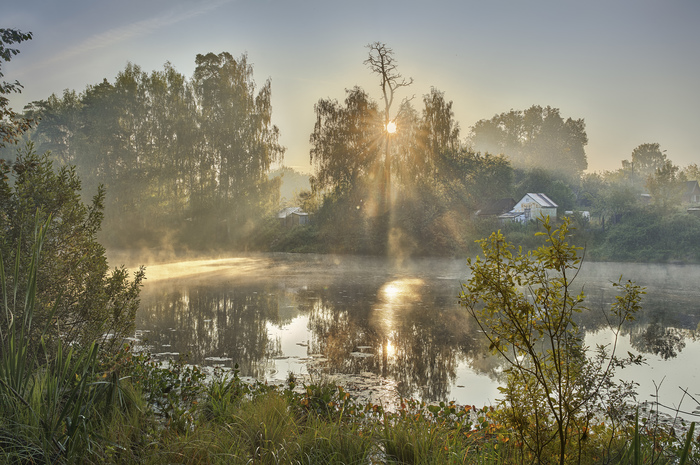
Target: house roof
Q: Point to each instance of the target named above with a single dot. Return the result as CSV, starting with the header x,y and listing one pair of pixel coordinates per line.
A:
x,y
511,214
496,207
691,186
289,211
543,200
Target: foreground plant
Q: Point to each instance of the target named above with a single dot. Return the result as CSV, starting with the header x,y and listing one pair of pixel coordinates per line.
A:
x,y
51,400
556,388
77,298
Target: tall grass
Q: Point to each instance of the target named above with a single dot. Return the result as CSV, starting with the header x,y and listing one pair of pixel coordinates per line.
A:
x,y
50,400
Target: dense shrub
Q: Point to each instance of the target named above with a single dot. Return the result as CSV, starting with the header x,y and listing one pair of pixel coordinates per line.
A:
x,y
651,236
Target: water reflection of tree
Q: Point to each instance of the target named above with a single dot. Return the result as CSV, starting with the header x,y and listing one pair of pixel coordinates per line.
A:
x,y
662,325
659,340
415,338
206,321
425,361
338,323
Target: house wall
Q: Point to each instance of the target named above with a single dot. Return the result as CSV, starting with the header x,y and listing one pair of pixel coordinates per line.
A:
x,y
300,219
692,195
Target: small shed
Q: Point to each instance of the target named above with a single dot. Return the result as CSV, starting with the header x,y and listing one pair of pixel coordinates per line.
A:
x,y
292,216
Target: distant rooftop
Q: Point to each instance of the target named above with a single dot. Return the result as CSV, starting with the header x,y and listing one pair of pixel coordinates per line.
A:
x,y
289,211
543,200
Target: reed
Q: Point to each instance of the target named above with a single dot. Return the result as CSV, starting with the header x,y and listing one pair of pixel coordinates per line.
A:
x,y
51,400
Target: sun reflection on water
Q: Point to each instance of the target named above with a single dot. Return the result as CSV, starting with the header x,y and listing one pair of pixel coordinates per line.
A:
x,y
400,291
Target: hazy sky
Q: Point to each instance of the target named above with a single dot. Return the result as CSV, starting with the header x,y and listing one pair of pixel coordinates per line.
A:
x,y
630,68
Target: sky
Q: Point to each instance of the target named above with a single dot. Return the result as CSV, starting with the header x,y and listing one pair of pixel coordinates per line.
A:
x,y
629,68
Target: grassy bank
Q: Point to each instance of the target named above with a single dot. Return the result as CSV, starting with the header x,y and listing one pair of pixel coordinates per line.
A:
x,y
72,404
130,409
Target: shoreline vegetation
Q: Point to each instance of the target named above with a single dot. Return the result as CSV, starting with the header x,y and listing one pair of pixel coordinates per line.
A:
x,y
137,410
79,404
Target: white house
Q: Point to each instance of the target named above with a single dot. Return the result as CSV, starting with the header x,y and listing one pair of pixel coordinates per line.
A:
x,y
531,207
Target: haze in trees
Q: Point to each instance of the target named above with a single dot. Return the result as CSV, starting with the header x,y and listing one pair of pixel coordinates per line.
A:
x,y
184,162
646,158
381,61
538,137
666,185
436,181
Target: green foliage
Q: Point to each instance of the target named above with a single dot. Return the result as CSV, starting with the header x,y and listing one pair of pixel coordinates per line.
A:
x,y
345,224
52,405
294,183
555,186
224,394
77,298
184,162
436,184
525,303
646,159
172,389
327,400
324,442
535,138
692,172
226,420
12,125
666,186
652,442
520,235
344,143
297,239
651,236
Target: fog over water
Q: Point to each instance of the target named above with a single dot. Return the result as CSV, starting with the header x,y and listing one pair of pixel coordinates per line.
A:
x,y
385,328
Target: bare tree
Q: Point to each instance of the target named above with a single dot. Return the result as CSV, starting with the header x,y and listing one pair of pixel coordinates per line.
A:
x,y
382,62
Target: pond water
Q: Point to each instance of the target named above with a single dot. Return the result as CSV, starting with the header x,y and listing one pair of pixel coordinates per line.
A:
x,y
386,328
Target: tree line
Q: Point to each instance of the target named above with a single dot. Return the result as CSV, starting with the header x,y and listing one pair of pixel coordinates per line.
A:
x,y
186,163
183,161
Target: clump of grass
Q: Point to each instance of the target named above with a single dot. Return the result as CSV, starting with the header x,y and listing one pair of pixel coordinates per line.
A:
x,y
336,443
268,428
413,441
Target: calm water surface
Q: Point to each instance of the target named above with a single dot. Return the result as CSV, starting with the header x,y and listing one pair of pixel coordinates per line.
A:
x,y
391,328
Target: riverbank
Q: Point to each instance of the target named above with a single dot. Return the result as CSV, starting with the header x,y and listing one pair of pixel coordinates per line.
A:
x,y
178,414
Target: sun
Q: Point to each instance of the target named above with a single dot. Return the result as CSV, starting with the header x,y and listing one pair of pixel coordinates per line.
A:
x,y
391,127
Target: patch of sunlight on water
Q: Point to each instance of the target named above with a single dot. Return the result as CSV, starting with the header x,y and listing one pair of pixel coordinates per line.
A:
x,y
294,342
224,268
